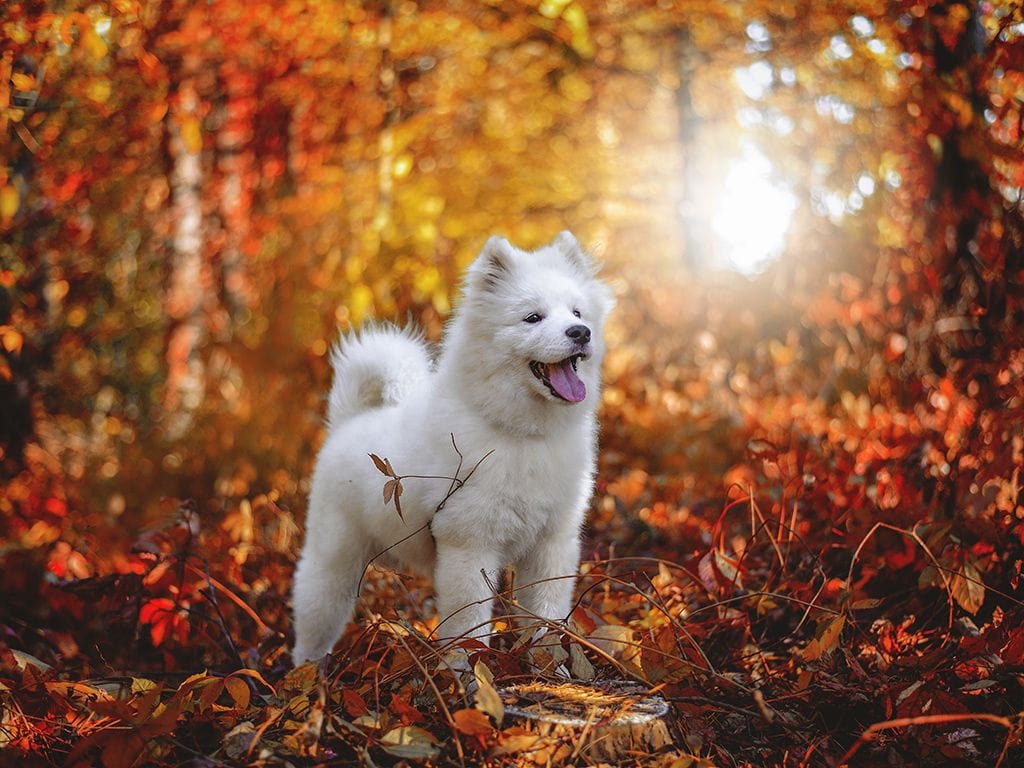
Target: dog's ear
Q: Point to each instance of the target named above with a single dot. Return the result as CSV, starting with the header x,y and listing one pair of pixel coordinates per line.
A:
x,y
493,264
566,242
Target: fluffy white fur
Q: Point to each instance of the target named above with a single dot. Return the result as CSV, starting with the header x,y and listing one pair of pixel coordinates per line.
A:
x,y
524,504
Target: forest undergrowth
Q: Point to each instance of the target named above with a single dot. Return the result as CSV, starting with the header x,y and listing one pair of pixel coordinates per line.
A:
x,y
810,614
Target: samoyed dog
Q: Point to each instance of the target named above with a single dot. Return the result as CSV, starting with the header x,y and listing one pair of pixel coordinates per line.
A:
x,y
509,405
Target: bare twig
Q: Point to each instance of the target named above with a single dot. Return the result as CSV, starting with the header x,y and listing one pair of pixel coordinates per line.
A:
x,y
904,722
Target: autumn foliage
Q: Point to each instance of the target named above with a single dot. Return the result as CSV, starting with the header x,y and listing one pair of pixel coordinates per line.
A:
x,y
808,528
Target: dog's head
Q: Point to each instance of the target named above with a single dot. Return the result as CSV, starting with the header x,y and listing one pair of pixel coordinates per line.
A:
x,y
543,311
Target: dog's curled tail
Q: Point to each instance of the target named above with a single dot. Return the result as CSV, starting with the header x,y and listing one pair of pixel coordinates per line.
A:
x,y
375,367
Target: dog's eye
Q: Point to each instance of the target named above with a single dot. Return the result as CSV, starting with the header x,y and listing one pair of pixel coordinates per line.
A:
x,y
576,313
533,318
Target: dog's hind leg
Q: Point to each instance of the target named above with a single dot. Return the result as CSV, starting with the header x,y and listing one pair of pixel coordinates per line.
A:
x,y
325,591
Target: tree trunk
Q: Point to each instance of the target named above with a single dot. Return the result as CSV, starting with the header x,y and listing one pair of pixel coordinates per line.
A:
x,y
697,241
185,374
608,721
234,157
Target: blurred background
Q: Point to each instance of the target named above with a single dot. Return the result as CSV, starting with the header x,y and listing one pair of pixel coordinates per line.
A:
x,y
810,213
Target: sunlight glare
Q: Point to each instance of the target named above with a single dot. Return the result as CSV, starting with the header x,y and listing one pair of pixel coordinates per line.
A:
x,y
753,213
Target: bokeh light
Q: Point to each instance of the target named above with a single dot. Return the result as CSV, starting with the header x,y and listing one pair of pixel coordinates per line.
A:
x,y
753,212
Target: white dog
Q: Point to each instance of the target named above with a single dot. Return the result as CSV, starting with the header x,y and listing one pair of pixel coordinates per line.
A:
x,y
514,391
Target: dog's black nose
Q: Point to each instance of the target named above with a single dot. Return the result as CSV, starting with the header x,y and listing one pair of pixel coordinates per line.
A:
x,y
578,333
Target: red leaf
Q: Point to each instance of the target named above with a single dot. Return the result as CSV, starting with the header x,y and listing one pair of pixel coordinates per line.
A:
x,y
407,713
353,703
163,616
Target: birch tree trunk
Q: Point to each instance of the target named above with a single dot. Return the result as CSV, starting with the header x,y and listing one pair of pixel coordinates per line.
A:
x,y
235,156
185,372
698,243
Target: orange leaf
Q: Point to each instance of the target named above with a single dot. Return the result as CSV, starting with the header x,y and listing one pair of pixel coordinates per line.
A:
x,y
253,674
123,752
22,81
472,722
210,693
239,691
11,339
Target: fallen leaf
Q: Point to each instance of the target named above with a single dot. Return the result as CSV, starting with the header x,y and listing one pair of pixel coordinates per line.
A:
x,y
410,742
968,588
472,722
487,698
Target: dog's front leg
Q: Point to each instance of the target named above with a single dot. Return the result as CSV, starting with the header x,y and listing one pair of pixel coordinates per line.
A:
x,y
464,580
545,578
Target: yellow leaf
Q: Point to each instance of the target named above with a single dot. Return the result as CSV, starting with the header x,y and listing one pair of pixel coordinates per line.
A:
x,y
513,740
552,9
23,82
482,673
94,44
10,200
191,134
765,604
826,637
17,33
487,699
968,589
410,742
142,684
575,88
98,90
615,640
576,18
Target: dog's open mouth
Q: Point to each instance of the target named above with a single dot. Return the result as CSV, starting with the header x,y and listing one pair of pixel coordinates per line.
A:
x,y
561,379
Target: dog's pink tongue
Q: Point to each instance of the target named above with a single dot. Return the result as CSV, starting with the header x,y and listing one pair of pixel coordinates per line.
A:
x,y
565,381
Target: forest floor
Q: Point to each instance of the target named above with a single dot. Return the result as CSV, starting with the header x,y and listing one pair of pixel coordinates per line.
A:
x,y
779,635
